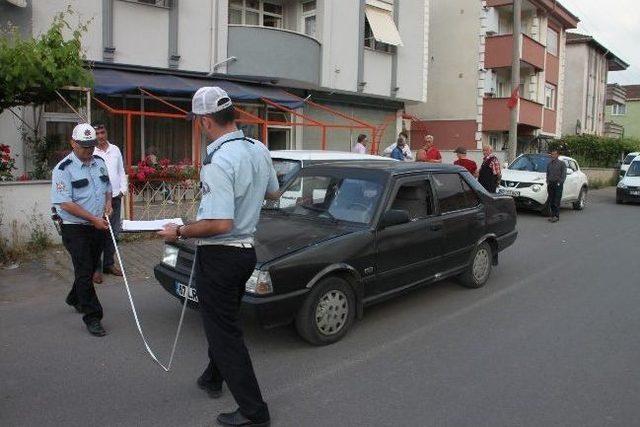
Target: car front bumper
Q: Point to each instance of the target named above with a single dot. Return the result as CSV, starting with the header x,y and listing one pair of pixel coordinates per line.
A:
x,y
626,194
526,197
268,311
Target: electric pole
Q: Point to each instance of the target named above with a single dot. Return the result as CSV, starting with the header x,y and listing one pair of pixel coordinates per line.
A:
x,y
515,78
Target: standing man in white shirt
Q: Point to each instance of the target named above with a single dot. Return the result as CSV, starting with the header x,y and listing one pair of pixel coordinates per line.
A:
x,y
113,158
360,147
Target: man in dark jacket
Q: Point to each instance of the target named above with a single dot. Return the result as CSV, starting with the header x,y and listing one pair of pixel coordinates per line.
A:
x,y
556,174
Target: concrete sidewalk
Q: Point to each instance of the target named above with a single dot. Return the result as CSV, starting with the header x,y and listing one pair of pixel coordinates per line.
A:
x,y
139,258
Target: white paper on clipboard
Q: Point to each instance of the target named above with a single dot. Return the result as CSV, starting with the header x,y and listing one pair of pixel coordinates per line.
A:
x,y
155,225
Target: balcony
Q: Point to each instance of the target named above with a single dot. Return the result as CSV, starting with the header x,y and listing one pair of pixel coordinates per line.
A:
x,y
613,130
550,121
496,114
273,53
616,94
499,52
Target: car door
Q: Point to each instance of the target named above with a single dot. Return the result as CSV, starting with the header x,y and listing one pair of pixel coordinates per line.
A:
x,y
409,253
572,183
463,217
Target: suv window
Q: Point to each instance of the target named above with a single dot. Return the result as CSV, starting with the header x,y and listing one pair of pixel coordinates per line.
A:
x,y
415,198
453,193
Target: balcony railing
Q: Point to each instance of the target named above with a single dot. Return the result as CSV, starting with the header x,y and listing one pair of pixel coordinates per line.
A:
x,y
499,52
496,114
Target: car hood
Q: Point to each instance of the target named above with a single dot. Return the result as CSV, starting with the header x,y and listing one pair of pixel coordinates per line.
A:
x,y
279,235
633,181
523,176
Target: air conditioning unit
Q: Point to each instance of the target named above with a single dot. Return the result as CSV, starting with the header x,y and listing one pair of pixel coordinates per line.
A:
x,y
492,21
491,83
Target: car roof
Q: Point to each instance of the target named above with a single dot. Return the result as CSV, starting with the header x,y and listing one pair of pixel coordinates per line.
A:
x,y
392,168
324,155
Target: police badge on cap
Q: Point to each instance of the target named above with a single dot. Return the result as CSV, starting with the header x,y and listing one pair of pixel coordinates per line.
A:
x,y
84,135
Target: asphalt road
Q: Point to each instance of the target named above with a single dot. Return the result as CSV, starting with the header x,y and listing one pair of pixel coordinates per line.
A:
x,y
551,340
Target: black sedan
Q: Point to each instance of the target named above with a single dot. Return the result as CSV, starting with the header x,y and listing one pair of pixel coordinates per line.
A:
x,y
358,234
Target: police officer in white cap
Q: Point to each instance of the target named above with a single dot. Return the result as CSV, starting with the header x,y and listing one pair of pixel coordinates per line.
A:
x,y
236,176
81,195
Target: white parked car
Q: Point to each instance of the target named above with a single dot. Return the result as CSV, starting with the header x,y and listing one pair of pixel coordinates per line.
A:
x,y
628,189
287,163
526,181
626,162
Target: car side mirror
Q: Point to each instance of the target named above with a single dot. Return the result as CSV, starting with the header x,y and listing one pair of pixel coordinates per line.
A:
x,y
569,171
394,217
505,165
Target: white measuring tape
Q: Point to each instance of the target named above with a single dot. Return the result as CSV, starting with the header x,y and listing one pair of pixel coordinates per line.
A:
x,y
135,313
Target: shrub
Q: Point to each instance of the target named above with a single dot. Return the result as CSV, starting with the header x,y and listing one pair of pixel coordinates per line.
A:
x,y
596,151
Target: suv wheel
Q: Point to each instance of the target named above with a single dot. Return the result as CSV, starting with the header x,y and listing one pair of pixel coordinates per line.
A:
x,y
477,274
582,200
327,313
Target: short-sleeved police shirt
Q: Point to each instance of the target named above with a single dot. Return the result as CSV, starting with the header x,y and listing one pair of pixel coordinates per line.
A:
x,y
83,183
234,185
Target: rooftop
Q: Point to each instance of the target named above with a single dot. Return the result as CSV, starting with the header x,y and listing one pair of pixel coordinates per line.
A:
x,y
615,63
633,92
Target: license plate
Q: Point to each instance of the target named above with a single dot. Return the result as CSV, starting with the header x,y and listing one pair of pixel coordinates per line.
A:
x,y
634,193
181,290
507,192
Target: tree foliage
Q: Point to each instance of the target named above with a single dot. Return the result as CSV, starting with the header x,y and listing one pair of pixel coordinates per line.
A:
x,y
596,151
33,69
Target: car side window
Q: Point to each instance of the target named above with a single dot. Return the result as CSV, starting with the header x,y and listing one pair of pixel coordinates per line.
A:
x,y
573,165
415,198
453,193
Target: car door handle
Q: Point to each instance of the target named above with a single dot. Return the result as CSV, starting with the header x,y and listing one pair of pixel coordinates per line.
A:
x,y
435,227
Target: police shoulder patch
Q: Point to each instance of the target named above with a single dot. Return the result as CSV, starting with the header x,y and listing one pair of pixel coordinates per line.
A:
x,y
64,164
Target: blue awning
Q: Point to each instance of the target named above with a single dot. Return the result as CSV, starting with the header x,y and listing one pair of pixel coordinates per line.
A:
x,y
117,82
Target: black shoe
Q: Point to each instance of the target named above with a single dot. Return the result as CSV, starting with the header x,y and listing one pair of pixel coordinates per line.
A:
x,y
237,419
78,308
214,390
555,219
96,329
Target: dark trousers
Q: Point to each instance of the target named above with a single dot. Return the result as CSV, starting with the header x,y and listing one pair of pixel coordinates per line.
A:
x,y
84,243
221,275
109,250
554,190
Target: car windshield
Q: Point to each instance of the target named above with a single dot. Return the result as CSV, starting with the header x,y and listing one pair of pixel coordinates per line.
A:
x,y
627,160
286,169
332,197
634,169
531,163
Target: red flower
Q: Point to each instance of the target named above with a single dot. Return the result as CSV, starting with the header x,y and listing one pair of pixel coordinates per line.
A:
x,y
141,176
165,163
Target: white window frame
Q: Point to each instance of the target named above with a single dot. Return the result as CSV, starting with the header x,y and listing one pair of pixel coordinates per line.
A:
x,y
556,48
308,14
619,110
549,95
164,4
261,13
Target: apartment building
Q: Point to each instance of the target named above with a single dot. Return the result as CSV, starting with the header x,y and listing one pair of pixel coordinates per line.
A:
x,y
588,63
623,118
308,74
470,58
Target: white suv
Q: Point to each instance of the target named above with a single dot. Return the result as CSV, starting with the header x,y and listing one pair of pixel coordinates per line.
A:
x,y
626,162
526,181
628,189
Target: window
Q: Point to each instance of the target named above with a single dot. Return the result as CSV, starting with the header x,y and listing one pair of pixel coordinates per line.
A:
x,y
550,96
380,31
619,109
453,193
159,3
265,13
552,41
415,198
308,23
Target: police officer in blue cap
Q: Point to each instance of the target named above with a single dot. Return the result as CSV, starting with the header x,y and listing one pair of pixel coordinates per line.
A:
x,y
81,195
236,176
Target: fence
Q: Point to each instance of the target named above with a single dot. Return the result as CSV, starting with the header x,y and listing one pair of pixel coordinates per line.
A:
x,y
158,198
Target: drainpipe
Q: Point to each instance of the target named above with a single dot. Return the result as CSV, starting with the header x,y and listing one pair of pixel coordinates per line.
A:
x,y
515,78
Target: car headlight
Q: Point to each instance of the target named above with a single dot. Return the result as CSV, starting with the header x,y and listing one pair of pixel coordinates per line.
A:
x,y
536,187
170,256
622,185
259,283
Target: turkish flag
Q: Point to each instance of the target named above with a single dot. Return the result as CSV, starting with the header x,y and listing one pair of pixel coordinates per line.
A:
x,y
513,100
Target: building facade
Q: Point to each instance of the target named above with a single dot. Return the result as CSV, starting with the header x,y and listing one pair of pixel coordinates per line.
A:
x,y
588,64
623,119
356,63
469,92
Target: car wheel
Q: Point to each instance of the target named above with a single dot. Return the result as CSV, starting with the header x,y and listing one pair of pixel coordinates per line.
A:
x,y
582,200
327,313
620,200
477,274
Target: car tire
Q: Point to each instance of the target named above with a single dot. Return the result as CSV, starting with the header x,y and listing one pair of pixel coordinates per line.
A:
x,y
582,200
477,273
620,200
327,313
